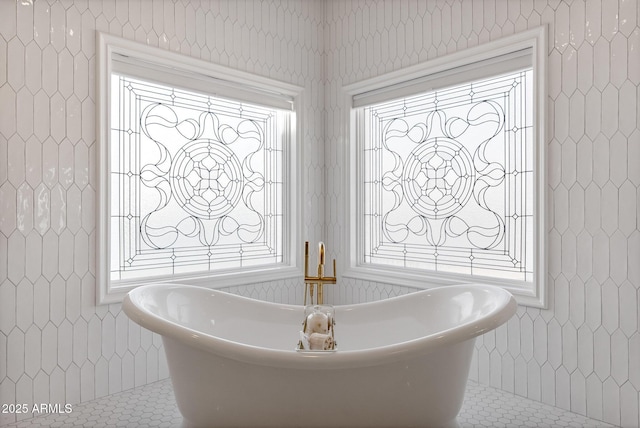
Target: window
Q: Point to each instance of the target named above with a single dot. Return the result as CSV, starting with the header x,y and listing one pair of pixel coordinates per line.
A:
x,y
197,179
448,170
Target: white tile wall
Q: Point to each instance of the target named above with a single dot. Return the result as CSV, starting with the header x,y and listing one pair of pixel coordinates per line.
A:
x,y
55,344
583,353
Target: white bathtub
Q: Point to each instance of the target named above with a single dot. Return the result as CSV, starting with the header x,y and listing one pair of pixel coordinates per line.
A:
x,y
399,362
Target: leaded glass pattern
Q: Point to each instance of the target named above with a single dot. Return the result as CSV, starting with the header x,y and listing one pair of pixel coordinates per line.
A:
x,y
448,180
196,182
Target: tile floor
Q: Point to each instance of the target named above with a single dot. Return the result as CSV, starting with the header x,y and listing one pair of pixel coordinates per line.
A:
x,y
153,405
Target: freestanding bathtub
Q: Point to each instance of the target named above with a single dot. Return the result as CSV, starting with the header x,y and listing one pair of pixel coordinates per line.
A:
x,y
401,362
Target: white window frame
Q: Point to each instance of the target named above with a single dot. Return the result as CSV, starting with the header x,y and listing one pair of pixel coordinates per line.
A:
x,y
442,72
194,74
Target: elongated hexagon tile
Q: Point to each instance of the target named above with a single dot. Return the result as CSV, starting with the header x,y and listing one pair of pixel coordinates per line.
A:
x,y
16,164
80,342
108,336
585,69
33,351
578,393
73,113
602,358
611,401
50,78
24,109
57,387
58,119
628,309
33,67
72,384
15,354
610,316
15,69
8,119
619,357
609,208
563,388
576,116
561,209
618,257
49,348
15,259
594,397
57,300
94,340
8,19
65,344
73,298
24,304
619,60
585,350
601,257
576,209
577,301
569,70
610,113
555,344
601,54
569,256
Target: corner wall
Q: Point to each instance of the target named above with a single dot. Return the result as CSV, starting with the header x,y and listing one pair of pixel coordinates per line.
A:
x,y
583,353
56,346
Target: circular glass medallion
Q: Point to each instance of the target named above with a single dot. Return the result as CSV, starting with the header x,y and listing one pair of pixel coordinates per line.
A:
x,y
206,179
438,178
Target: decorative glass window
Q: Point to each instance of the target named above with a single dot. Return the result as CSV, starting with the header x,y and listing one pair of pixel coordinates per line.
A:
x,y
198,172
448,179
196,182
447,170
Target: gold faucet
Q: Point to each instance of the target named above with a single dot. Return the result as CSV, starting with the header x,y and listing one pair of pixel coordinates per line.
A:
x,y
310,282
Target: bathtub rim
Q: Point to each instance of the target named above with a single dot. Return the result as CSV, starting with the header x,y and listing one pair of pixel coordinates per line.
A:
x,y
504,310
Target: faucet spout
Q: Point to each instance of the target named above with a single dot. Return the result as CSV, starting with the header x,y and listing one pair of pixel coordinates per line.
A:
x,y
316,283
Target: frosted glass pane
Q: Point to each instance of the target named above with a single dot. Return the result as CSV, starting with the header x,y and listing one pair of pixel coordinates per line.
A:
x,y
448,181
196,182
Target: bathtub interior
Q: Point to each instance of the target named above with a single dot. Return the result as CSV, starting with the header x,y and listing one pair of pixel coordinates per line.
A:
x,y
428,314
221,315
